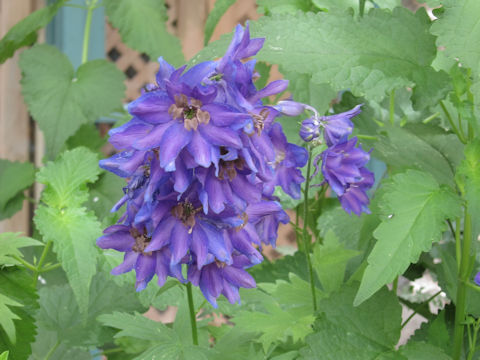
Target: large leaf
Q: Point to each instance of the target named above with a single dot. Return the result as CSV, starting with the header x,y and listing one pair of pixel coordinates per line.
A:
x,y
415,207
422,351
345,332
60,99
24,33
389,49
105,193
219,8
15,177
71,227
16,287
141,24
10,243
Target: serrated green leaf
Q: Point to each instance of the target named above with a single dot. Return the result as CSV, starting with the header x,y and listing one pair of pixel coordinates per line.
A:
x,y
422,351
60,99
141,24
9,245
415,207
15,177
59,311
73,232
435,332
330,260
88,136
235,345
65,178
219,8
8,316
16,285
395,149
345,332
389,50
105,193
138,326
24,33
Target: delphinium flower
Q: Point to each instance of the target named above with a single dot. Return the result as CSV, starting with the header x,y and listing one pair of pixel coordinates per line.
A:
x,y
343,162
201,158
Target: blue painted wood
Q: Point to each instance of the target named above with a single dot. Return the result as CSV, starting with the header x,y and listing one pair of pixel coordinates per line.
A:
x,y
66,32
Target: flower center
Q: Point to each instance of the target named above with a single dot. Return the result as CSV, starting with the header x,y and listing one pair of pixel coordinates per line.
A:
x,y
185,212
259,120
220,264
190,110
229,168
141,241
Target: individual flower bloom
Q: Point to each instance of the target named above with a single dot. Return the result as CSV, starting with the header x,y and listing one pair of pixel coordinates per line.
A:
x,y
244,241
310,129
291,108
125,163
477,279
355,198
146,264
288,159
339,126
217,278
343,167
263,219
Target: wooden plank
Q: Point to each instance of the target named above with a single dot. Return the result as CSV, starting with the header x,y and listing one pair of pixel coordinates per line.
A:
x,y
14,119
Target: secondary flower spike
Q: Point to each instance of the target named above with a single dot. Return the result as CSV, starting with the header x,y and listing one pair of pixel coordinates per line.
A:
x,y
201,157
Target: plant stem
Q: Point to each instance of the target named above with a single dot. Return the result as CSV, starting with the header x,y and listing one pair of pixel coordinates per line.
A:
x,y
193,319
25,263
306,241
50,268
395,285
86,33
41,261
458,244
415,311
474,341
52,350
361,6
463,276
451,122
392,107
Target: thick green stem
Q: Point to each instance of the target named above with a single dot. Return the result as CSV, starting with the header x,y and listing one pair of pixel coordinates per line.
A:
x,y
25,263
460,309
193,317
361,6
392,107
306,241
41,261
86,33
458,244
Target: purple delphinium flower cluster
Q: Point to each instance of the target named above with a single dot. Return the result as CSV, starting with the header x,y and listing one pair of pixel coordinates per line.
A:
x,y
343,162
202,156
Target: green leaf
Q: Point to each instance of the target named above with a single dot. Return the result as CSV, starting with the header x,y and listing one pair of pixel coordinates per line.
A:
x,y
9,245
330,261
24,33
422,351
219,8
389,49
15,177
59,311
470,171
66,177
88,136
4,355
395,149
105,193
236,345
415,207
345,332
60,99
435,332
16,290
141,24
283,6
71,227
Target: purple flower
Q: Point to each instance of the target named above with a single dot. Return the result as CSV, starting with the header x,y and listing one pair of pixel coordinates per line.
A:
x,y
310,129
477,279
339,126
343,167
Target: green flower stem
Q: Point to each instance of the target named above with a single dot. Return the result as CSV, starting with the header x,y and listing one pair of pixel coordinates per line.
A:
x,y
52,350
25,263
464,274
451,122
415,311
306,241
361,6
193,319
41,261
473,347
458,244
392,107
86,34
50,268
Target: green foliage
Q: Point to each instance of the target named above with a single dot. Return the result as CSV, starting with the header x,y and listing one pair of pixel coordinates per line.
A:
x,y
24,33
414,207
141,24
4,355
61,99
422,351
105,193
372,329
18,304
330,261
219,8
64,221
15,177
269,7
10,243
